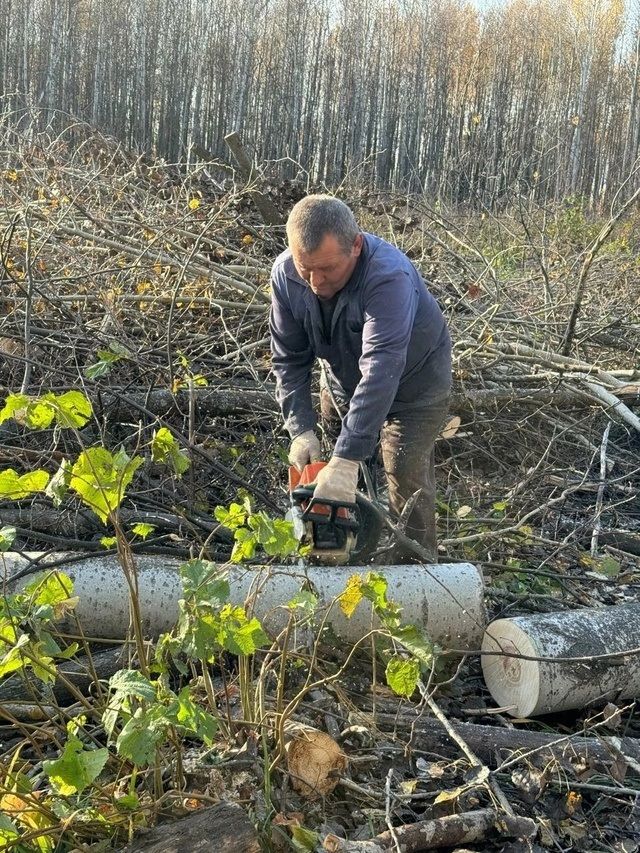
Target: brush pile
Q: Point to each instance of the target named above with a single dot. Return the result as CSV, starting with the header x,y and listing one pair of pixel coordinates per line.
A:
x,y
146,286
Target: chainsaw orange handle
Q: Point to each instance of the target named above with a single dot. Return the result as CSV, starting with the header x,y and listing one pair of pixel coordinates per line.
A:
x,y
306,477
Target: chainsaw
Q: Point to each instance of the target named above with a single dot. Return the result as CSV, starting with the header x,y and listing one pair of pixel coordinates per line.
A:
x,y
337,532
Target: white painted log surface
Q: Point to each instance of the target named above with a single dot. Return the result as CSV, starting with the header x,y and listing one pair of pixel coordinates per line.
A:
x,y
446,599
538,687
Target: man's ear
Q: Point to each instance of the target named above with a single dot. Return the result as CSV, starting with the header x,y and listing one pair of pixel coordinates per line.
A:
x,y
357,244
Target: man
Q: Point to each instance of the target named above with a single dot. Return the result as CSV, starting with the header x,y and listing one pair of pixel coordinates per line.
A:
x,y
357,303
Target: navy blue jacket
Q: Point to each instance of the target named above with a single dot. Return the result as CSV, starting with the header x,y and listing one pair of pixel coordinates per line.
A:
x,y
389,348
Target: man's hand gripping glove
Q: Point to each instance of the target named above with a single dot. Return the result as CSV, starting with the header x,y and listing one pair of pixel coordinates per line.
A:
x,y
337,481
304,448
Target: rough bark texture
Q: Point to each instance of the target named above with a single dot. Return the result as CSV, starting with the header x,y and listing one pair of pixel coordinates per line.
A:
x,y
465,828
224,828
494,744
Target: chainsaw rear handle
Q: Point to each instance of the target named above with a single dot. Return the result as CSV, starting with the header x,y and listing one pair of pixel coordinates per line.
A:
x,y
305,493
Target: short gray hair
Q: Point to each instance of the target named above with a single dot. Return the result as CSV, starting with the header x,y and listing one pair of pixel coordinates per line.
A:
x,y
315,216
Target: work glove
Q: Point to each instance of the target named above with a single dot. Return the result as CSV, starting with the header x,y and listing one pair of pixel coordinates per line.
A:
x,y
337,481
304,448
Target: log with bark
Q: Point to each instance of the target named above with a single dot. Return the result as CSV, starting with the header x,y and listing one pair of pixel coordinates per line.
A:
x,y
495,744
447,600
224,828
465,828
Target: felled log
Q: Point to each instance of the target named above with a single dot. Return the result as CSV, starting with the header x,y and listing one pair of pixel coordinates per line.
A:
x,y
531,687
78,672
495,744
465,828
224,828
446,599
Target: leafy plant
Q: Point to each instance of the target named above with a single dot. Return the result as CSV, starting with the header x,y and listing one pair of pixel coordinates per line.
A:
x,y
100,478
256,529
165,449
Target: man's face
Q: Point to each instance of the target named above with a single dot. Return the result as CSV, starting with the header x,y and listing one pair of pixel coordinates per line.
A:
x,y
329,267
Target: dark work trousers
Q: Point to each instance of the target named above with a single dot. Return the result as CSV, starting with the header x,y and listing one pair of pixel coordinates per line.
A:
x,y
407,442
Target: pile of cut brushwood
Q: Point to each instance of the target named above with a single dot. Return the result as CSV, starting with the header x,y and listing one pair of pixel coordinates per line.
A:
x,y
144,703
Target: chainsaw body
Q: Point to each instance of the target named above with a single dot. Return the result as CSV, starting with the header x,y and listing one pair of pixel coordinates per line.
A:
x,y
328,526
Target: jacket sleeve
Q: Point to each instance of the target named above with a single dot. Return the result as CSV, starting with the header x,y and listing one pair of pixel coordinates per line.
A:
x,y
292,360
389,313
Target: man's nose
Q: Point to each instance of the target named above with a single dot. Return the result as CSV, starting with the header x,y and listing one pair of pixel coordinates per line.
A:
x,y
315,279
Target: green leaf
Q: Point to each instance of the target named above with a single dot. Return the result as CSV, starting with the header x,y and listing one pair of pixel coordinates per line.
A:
x,y
141,735
8,832
101,478
125,684
52,594
415,641
108,541
73,409
16,487
130,682
402,675
304,600
245,545
246,639
76,768
194,719
7,537
374,589
106,359
201,580
15,406
352,596
233,517
608,566
304,839
165,449
142,529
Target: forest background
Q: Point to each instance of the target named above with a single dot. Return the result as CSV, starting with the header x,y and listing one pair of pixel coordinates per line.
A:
x,y
535,97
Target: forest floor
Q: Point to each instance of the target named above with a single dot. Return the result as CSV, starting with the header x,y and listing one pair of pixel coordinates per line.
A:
x,y
145,288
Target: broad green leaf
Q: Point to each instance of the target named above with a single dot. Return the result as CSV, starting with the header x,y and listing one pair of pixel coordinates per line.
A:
x,y
415,641
8,832
233,517
374,589
50,588
101,478
246,639
125,684
108,541
201,580
73,409
304,600
245,545
29,412
141,735
352,596
402,675
59,484
130,682
15,406
194,719
76,768
165,449
16,487
7,537
106,359
142,529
